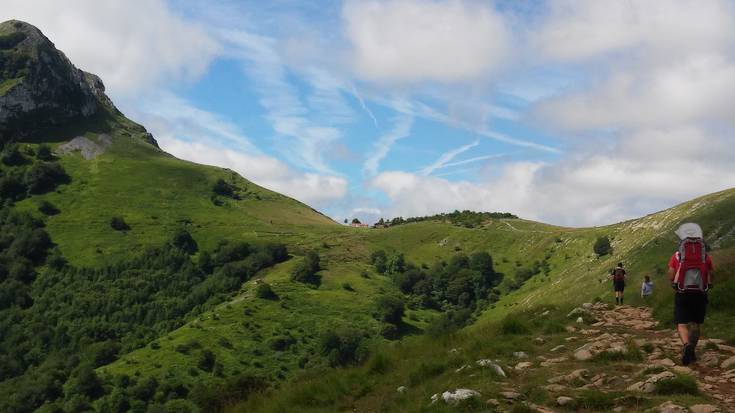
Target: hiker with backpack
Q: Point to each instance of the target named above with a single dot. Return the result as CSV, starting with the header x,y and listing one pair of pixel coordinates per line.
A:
x,y
690,272
618,277
646,288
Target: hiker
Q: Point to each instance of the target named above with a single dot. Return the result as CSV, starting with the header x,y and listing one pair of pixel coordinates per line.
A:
x,y
690,272
646,288
618,277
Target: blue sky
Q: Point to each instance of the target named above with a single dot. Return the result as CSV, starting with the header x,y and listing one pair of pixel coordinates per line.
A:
x,y
564,111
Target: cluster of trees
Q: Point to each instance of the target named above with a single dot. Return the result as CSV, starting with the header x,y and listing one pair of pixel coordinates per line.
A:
x,y
25,173
96,314
463,283
468,219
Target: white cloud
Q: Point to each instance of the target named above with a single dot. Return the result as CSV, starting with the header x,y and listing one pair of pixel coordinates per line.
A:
x,y
438,40
190,133
401,129
645,171
131,44
659,29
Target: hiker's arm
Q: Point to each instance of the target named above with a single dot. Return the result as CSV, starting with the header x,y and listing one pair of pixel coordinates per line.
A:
x,y
672,274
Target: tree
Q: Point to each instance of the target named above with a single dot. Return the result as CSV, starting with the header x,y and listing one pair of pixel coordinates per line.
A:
x,y
390,309
396,263
206,360
221,187
43,177
602,246
379,261
43,153
306,272
265,292
355,221
183,241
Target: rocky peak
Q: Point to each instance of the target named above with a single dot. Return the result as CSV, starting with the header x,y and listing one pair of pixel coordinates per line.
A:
x,y
39,86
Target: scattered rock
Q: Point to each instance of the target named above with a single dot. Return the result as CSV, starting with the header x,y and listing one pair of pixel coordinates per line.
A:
x,y
401,389
491,364
520,355
558,348
728,363
670,407
555,388
649,386
511,395
539,340
582,355
492,402
563,400
587,306
704,408
580,320
523,365
454,397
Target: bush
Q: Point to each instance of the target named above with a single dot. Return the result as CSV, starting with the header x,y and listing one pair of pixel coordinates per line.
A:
x,y
11,156
379,260
47,208
223,188
206,360
43,177
513,326
281,343
602,246
119,224
347,286
390,309
679,385
343,347
182,240
43,153
306,271
265,292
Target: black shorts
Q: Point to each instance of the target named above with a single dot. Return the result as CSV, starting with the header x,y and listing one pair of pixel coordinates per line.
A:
x,y
619,286
690,308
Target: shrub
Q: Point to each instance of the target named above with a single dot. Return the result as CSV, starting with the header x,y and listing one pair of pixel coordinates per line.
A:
x,y
680,384
602,246
223,188
306,271
281,343
265,292
43,177
347,286
43,153
390,309
12,156
47,208
206,360
513,326
118,224
182,240
343,347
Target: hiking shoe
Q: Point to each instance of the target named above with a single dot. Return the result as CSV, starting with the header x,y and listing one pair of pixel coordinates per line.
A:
x,y
687,354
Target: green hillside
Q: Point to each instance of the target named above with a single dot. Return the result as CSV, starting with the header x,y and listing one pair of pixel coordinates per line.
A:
x,y
134,281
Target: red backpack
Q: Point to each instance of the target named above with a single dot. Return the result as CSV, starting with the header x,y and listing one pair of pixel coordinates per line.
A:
x,y
693,272
619,274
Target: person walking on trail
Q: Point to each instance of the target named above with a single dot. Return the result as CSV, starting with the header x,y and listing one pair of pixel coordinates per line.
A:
x,y
690,272
646,288
618,276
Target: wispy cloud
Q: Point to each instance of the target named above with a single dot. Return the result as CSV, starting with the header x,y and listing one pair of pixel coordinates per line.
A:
x,y
401,129
313,130
364,106
447,157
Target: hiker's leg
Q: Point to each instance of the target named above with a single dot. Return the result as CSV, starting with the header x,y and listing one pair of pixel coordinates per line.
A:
x,y
694,332
683,330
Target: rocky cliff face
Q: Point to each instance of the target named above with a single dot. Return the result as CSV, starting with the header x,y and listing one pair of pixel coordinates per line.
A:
x,y
39,86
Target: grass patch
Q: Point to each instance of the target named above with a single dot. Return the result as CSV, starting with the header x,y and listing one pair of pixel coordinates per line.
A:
x,y
681,384
426,371
595,400
513,326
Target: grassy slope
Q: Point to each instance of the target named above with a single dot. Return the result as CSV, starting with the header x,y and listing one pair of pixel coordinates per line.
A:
x,y
577,275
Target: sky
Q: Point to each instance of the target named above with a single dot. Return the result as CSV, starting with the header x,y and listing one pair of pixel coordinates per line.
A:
x,y
574,113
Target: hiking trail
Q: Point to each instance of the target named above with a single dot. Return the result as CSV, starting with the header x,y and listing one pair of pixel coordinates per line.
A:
x,y
619,351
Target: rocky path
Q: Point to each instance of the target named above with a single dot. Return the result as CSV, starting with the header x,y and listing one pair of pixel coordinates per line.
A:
x,y
618,352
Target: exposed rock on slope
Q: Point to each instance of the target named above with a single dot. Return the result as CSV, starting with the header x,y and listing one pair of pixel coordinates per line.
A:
x,y
40,87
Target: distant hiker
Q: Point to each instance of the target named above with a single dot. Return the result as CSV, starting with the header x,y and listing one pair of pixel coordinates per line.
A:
x,y
690,272
646,287
618,277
